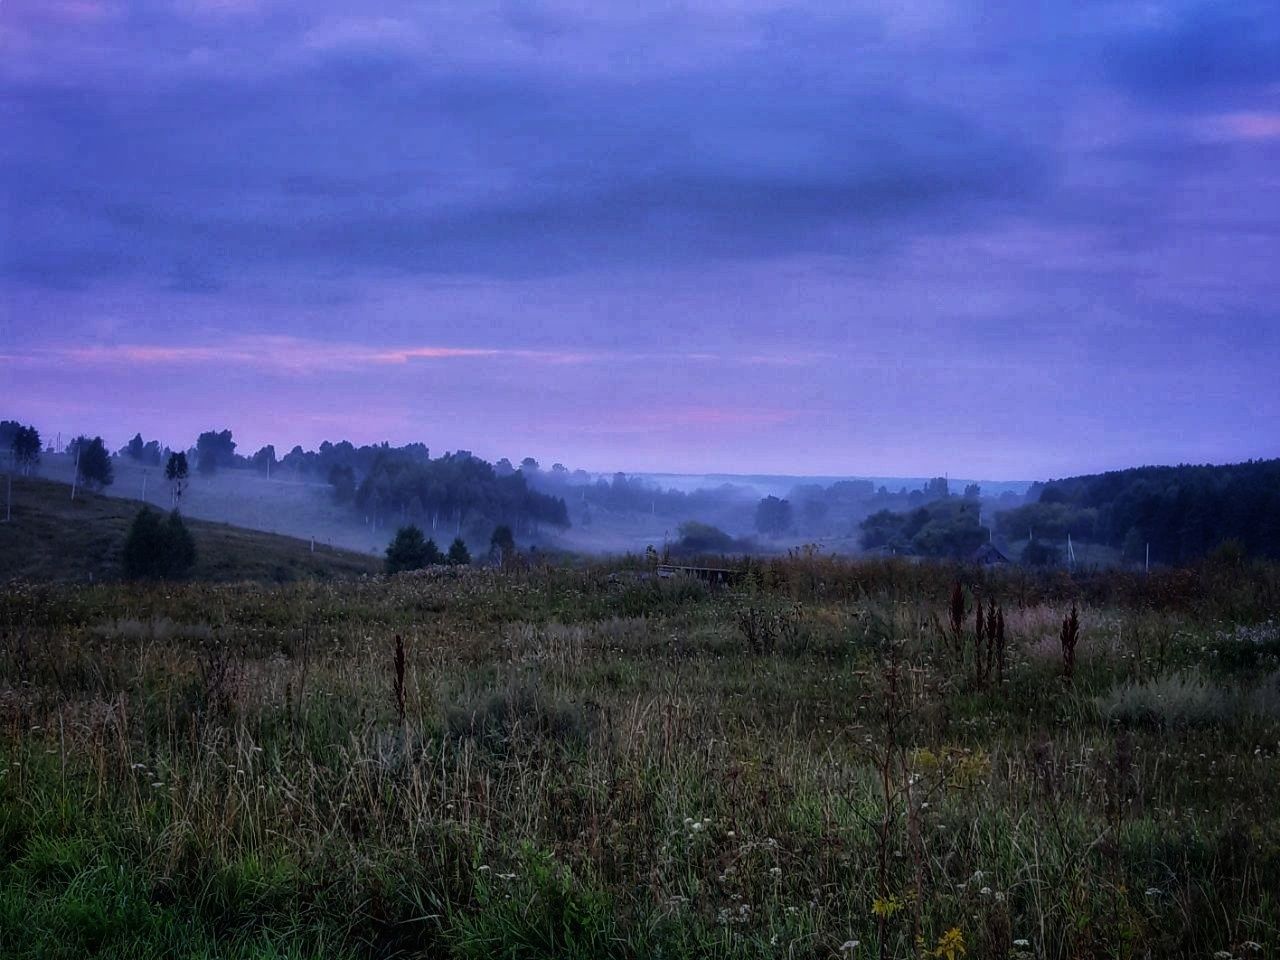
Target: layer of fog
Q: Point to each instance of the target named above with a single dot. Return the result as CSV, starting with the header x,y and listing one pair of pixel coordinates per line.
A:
x,y
607,513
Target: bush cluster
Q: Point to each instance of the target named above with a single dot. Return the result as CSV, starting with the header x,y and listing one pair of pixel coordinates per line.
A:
x,y
158,548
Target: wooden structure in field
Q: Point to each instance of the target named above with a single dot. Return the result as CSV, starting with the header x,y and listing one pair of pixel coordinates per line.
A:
x,y
707,574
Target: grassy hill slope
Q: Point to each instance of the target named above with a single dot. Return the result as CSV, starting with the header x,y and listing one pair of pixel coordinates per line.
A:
x,y
52,538
282,504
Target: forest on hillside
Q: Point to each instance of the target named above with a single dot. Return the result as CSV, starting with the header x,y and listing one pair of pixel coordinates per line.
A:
x,y
1183,512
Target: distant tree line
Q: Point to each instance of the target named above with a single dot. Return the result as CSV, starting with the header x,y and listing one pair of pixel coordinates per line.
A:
x,y
396,485
842,507
1183,512
404,485
359,461
621,493
381,483
808,509
457,491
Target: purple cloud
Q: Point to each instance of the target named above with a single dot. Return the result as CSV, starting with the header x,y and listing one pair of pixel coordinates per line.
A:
x,y
893,238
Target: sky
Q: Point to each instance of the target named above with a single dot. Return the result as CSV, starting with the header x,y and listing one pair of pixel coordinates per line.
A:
x,y
907,237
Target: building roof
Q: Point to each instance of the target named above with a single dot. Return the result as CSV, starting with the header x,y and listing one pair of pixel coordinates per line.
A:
x,y
988,554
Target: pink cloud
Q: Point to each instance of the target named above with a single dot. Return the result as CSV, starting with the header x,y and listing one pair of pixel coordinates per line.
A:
x,y
221,7
77,11
721,415
406,354
1244,125
292,354
300,355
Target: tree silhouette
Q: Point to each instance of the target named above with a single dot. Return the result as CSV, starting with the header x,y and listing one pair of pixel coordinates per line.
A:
x,y
176,472
26,448
148,452
94,469
773,516
264,460
214,450
343,480
459,555
502,541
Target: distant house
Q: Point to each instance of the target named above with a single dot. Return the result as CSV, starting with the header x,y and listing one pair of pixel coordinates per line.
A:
x,y
988,555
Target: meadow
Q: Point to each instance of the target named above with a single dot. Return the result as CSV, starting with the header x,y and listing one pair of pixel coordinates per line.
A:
x,y
830,759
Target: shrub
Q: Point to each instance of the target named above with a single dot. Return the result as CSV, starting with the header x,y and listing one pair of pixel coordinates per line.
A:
x,y
1176,700
698,537
1187,699
520,714
766,626
546,912
658,597
158,548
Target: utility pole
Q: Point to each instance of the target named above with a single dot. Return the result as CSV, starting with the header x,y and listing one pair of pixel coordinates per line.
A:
x,y
8,510
75,477
1148,566
144,486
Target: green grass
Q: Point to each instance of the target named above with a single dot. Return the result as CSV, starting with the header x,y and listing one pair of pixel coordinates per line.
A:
x,y
603,767
53,538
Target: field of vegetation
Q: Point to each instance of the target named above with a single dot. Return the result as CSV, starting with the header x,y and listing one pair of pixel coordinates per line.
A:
x,y
827,759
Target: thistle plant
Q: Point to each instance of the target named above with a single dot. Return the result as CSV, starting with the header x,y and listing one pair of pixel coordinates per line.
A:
x,y
397,681
957,616
1000,645
1068,639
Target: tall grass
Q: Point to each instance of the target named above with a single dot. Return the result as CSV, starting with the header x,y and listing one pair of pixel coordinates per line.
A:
x,y
560,764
